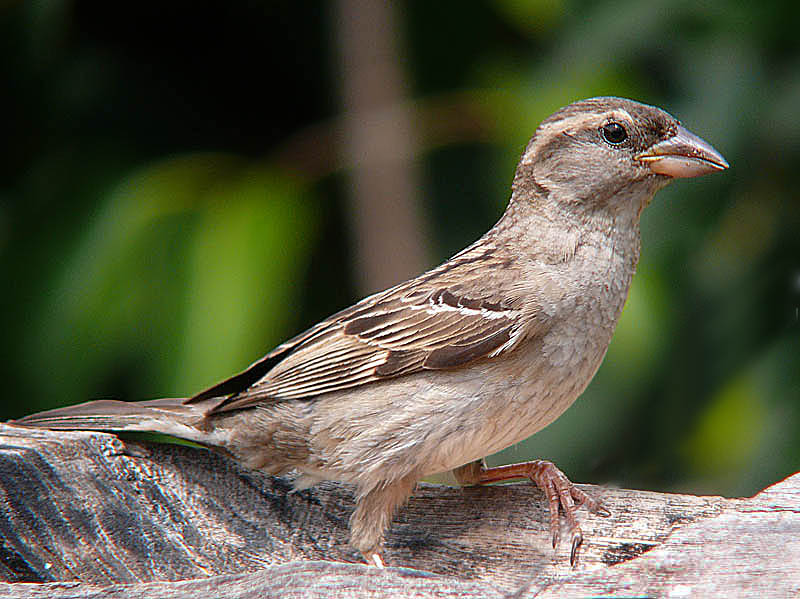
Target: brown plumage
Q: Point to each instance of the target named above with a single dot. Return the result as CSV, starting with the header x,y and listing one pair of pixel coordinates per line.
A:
x,y
443,319
464,360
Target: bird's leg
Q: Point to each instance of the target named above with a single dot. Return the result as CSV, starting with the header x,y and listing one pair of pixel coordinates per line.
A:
x,y
375,508
558,489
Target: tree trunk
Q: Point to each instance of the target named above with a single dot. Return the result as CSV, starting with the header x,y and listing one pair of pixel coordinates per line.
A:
x,y
123,518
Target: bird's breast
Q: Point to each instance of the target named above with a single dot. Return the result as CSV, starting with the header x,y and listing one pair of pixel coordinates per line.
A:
x,y
586,297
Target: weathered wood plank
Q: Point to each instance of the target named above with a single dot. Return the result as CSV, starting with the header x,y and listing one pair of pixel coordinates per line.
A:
x,y
121,517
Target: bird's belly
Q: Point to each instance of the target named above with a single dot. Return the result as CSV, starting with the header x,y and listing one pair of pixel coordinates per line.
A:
x,y
520,399
434,421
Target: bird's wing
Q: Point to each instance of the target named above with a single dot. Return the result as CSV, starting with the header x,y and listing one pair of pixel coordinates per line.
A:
x,y
443,319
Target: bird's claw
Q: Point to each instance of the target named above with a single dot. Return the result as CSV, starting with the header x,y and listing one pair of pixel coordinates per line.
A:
x,y
577,539
373,558
563,495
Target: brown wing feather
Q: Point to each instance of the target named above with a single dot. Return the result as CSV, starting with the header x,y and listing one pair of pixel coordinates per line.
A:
x,y
421,324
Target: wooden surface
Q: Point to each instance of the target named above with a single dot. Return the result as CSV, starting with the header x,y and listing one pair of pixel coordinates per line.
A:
x,y
89,515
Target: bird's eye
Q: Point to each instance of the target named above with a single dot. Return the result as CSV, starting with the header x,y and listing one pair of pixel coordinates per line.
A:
x,y
614,133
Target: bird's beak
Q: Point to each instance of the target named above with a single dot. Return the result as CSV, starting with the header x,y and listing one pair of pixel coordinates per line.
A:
x,y
683,155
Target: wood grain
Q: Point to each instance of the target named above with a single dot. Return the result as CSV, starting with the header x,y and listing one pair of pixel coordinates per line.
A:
x,y
90,515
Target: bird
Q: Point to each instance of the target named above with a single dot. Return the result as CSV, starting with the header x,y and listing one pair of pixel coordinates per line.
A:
x,y
477,354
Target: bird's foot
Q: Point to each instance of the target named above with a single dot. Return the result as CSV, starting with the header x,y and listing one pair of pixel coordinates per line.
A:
x,y
560,492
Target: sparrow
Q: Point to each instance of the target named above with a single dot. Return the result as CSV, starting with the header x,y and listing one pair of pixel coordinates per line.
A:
x,y
477,354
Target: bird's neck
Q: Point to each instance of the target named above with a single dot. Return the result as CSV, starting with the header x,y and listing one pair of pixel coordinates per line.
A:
x,y
593,201
543,233
529,213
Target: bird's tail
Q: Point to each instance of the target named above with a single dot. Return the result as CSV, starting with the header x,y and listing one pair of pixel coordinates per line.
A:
x,y
167,416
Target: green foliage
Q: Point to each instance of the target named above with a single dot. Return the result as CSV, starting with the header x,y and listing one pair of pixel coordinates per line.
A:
x,y
185,274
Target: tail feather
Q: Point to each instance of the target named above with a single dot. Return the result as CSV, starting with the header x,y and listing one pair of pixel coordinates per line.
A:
x,y
167,416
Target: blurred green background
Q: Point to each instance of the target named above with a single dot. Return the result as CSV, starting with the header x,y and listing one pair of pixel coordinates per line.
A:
x,y
185,185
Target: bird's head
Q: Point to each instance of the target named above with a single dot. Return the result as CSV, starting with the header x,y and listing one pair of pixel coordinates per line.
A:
x,y
611,153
